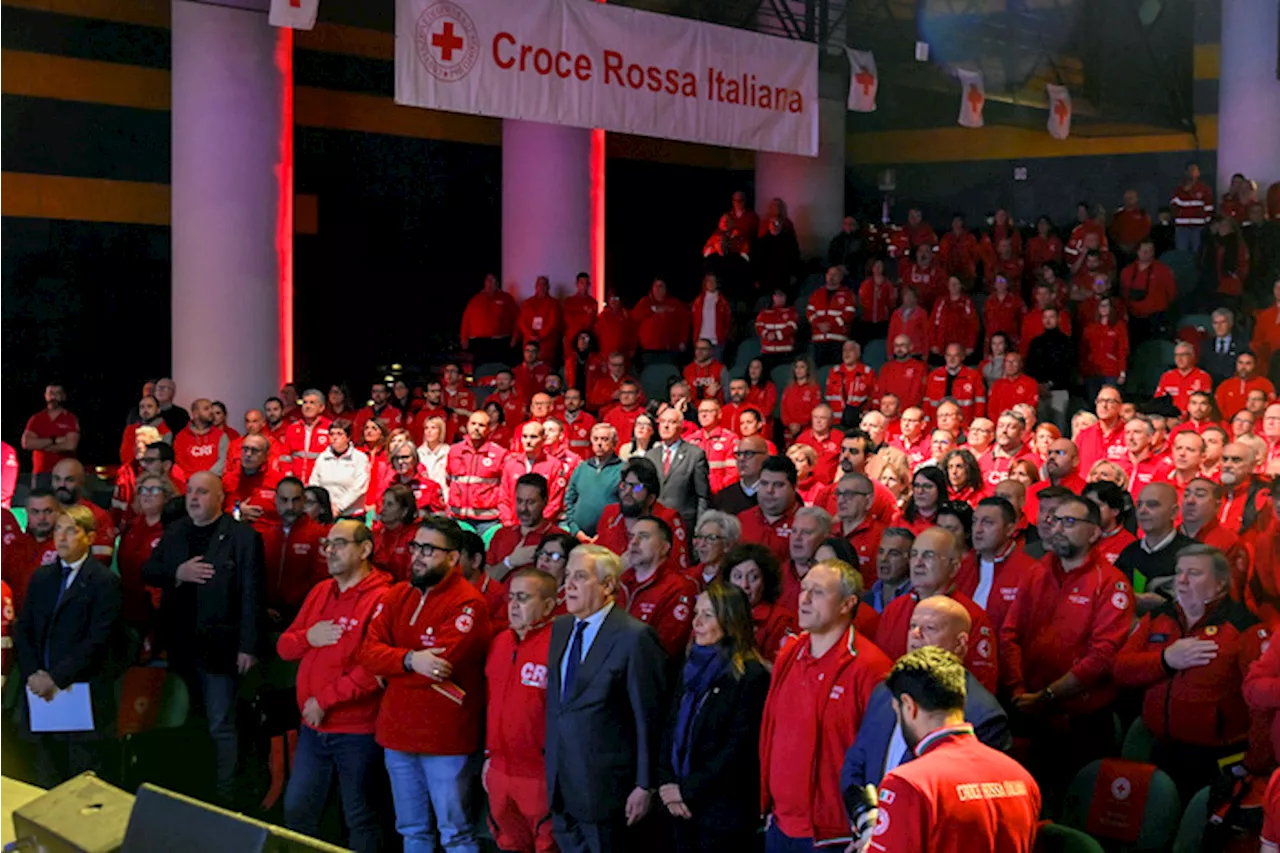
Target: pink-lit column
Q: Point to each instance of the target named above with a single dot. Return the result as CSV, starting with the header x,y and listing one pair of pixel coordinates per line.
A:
x,y
232,193
812,187
547,205
1249,94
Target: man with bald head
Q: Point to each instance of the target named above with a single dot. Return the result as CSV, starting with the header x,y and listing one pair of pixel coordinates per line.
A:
x,y
68,486
934,563
209,568
936,621
250,487
1151,562
1246,504
1061,468
255,423
740,496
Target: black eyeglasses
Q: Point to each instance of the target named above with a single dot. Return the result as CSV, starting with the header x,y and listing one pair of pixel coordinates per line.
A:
x,y
426,549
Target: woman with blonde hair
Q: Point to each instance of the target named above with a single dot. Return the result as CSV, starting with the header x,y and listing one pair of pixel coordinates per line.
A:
x,y
1106,471
434,450
892,469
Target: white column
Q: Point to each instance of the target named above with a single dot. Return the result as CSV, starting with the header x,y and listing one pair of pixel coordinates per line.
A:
x,y
812,187
231,180
1249,93
546,205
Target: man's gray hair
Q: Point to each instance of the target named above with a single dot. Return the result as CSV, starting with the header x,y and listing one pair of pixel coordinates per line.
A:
x,y
606,563
313,392
818,514
1221,565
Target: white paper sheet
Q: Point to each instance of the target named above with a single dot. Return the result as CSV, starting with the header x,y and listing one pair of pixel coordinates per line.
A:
x,y
70,710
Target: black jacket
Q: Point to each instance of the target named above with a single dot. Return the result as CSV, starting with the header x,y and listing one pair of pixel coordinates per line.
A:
x,y
603,736
209,624
1050,357
722,789
82,638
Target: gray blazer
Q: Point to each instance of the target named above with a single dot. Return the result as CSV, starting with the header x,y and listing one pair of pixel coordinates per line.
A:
x,y
602,740
686,488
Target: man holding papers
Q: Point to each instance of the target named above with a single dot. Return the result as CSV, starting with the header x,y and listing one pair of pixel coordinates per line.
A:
x,y
68,647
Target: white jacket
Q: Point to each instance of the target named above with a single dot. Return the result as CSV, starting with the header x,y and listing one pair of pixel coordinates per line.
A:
x,y
437,463
346,477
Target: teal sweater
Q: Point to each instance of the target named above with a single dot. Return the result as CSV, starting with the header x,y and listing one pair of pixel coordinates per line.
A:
x,y
593,486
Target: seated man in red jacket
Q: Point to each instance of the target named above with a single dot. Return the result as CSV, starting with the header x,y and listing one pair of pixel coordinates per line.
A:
x,y
337,696
514,773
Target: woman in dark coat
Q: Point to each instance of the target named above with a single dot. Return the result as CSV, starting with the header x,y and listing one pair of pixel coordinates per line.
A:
x,y
709,768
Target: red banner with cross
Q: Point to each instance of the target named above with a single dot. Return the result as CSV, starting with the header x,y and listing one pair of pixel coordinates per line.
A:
x,y
1119,799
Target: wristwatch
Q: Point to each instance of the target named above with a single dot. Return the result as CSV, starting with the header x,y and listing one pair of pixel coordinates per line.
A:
x,y
407,663
1049,694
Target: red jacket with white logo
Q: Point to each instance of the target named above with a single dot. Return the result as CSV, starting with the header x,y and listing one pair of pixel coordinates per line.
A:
x,y
1191,205
579,313
515,466
967,389
418,714
719,445
828,450
253,490
489,315
516,675
346,691
813,720
724,317
1094,444
982,658
203,452
876,301
915,327
391,549
959,255
776,535
1003,315
850,386
958,796
1064,622
295,563
776,328
1006,393
540,320
305,444
577,433
1173,383
665,603
475,477
702,378
798,402
929,282
904,379
1011,567
663,326
830,314
612,531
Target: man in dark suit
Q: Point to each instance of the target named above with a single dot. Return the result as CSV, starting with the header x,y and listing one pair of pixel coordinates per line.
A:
x,y
740,495
605,706
682,467
69,634
1218,353
210,569
936,621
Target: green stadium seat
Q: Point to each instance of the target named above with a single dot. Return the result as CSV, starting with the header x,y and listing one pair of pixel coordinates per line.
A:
x,y
481,393
875,353
468,526
20,513
1138,742
489,369
1159,818
1191,828
488,535
747,350
1186,271
1056,838
821,376
1151,359
655,379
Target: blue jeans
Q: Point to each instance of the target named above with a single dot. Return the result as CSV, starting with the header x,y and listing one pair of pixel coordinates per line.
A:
x,y
1186,238
318,756
777,842
432,795
216,693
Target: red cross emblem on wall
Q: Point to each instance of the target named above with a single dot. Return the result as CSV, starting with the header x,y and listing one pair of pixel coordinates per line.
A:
x,y
447,41
975,98
865,79
1062,111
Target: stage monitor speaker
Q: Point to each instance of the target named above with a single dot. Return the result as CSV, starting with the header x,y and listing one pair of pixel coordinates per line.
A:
x,y
167,822
82,815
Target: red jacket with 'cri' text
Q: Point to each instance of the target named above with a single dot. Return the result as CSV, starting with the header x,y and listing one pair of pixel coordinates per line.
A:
x,y
418,714
517,712
347,692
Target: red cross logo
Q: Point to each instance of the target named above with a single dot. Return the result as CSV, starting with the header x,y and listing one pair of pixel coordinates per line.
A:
x,y
1062,111
446,41
865,79
975,98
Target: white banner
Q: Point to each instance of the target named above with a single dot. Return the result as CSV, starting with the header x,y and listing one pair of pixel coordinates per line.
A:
x,y
863,80
973,94
588,64
1059,122
295,14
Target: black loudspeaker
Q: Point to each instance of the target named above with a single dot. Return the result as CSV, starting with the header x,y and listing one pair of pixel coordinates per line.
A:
x,y
82,815
167,822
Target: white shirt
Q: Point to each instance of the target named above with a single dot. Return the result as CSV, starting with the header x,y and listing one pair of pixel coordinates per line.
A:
x,y
437,463
986,579
707,326
897,749
346,477
75,570
594,621
1159,546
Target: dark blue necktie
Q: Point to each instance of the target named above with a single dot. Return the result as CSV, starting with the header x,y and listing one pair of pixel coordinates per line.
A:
x,y
575,657
62,589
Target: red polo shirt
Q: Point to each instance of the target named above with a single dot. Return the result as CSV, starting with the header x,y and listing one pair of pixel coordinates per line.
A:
x,y
774,535
46,426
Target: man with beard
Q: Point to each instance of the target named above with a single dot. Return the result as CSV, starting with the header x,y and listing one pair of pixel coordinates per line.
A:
x,y
1072,614
855,448
277,424
638,490
293,545
942,800
428,641
148,415
658,594
337,697
68,487
1246,503
201,446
